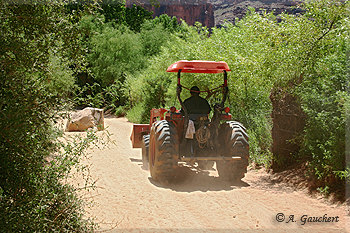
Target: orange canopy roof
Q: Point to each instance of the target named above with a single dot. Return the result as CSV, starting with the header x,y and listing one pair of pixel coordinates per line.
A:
x,y
198,66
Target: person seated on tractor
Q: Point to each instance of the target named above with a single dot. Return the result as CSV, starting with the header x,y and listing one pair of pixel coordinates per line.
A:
x,y
196,104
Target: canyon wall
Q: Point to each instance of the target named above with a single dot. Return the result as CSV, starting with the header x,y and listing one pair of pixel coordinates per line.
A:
x,y
230,9
214,12
191,10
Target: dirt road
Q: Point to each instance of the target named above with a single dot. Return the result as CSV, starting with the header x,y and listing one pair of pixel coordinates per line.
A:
x,y
127,200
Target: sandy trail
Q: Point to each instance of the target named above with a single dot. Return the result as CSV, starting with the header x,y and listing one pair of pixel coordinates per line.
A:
x,y
127,199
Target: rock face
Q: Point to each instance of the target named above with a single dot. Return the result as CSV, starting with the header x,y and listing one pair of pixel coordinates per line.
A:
x,y
288,121
85,119
213,12
189,10
230,9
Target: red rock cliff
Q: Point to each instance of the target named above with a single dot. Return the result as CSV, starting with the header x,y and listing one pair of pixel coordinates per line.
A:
x,y
230,9
191,10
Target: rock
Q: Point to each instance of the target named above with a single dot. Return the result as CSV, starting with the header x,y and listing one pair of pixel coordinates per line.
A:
x,y
288,122
85,119
189,10
214,12
229,10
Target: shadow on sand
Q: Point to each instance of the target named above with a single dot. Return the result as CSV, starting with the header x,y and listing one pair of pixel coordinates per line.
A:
x,y
136,160
192,179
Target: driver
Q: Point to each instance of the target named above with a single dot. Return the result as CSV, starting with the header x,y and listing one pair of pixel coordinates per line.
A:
x,y
196,104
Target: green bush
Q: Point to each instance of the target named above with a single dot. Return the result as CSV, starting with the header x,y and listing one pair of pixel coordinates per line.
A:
x,y
135,16
112,98
90,96
135,114
153,37
324,97
38,45
120,111
116,55
115,52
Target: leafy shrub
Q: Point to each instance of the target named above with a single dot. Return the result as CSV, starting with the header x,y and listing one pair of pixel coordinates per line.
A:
x,y
136,16
135,113
117,13
324,97
121,111
38,45
116,55
115,52
153,37
170,24
111,97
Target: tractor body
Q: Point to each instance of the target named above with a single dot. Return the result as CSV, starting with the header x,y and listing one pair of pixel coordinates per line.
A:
x,y
166,141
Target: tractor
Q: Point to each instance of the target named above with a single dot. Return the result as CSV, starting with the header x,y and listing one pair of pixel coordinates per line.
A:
x,y
165,143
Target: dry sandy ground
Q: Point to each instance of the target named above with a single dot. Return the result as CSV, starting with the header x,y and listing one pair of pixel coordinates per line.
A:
x,y
128,200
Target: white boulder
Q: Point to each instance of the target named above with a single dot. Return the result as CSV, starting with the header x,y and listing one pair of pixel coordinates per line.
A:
x,y
85,119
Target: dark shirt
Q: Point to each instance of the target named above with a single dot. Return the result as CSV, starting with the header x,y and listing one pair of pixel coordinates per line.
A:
x,y
197,105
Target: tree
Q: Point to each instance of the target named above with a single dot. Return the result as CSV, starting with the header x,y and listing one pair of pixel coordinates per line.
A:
x,y
38,45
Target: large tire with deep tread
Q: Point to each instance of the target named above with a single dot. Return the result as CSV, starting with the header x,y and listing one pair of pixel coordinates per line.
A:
x,y
145,151
163,153
235,144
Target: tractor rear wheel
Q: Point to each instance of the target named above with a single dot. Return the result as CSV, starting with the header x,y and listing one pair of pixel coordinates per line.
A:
x,y
235,144
163,156
145,151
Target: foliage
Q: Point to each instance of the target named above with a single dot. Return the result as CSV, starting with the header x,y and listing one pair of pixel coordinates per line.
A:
x,y
38,45
135,113
90,96
169,23
160,32
153,36
112,97
133,17
116,53
114,49
116,12
324,94
321,82
136,16
113,11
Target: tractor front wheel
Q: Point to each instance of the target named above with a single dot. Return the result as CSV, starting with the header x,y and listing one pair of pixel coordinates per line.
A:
x,y
145,151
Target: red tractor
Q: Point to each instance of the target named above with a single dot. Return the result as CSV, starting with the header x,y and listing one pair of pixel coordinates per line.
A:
x,y
165,142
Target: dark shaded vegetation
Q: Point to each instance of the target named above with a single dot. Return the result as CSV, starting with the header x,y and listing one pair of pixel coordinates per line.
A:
x,y
39,44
